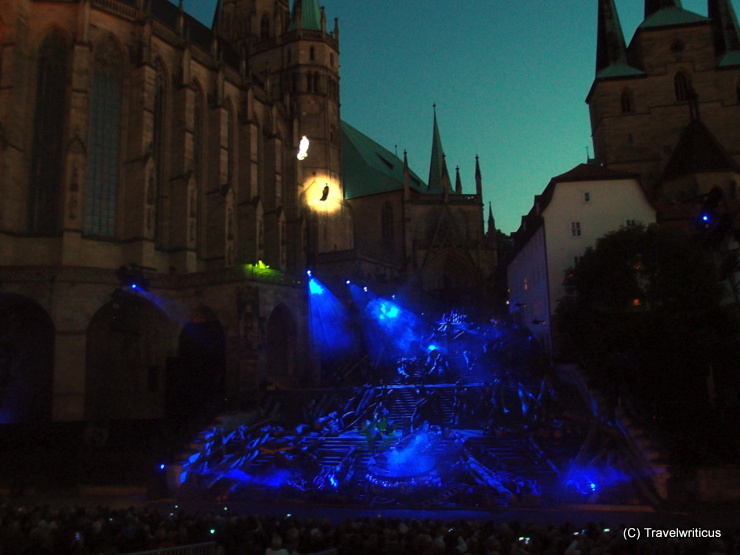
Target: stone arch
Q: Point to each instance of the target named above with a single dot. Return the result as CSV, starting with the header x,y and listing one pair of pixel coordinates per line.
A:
x,y
682,86
280,342
26,360
449,276
129,341
196,376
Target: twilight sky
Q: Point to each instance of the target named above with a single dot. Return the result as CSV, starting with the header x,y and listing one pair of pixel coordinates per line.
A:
x,y
509,77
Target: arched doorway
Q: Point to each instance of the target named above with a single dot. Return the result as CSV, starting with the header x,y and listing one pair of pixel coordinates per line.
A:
x,y
26,360
128,343
281,343
196,378
450,279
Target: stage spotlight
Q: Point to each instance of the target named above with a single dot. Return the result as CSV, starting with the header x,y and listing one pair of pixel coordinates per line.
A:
x,y
364,289
348,282
308,273
132,276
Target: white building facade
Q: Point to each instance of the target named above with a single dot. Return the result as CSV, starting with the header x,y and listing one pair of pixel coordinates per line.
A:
x,y
575,209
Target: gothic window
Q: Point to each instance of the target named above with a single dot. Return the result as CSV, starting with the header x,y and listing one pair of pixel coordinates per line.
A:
x,y
265,27
158,142
312,53
198,132
309,82
628,102
737,92
230,142
316,82
681,86
2,41
104,141
386,223
48,135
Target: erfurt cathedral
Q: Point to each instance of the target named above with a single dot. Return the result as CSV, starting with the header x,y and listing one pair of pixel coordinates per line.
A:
x,y
164,188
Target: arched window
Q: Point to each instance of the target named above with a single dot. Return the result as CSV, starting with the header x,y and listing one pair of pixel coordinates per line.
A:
x,y
104,141
309,82
230,142
198,132
312,53
158,142
628,102
264,27
48,135
2,41
681,86
386,223
316,82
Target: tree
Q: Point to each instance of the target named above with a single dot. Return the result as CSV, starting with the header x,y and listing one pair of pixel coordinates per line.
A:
x,y
643,314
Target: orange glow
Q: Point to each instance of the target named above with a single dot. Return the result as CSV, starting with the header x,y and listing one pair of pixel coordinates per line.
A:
x,y
326,188
636,302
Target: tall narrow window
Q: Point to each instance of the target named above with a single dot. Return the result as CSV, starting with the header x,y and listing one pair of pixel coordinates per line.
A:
x,y
386,221
104,140
198,132
158,146
230,146
681,86
264,27
312,53
628,102
48,135
2,41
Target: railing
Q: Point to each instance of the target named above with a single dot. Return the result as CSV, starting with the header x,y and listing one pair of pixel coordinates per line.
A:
x,y
210,548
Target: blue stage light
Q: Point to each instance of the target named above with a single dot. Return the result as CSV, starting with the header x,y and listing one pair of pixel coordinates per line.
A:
x,y
315,288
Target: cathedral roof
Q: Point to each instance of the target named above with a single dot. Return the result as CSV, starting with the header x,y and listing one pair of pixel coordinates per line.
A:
x,y
698,151
368,168
310,15
671,16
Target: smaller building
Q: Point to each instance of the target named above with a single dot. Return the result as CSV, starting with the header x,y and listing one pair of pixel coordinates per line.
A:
x,y
574,210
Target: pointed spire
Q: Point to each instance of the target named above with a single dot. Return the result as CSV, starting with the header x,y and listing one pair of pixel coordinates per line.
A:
x,y
478,181
306,15
652,6
437,166
406,178
445,180
610,45
725,27
491,222
458,183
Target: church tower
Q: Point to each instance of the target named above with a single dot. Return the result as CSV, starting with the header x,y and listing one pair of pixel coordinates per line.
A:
x,y
296,59
680,67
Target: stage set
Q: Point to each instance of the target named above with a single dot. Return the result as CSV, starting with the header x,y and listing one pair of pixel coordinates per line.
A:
x,y
450,412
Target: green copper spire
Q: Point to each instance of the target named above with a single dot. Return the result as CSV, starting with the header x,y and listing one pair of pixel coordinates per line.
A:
x,y
437,166
309,14
610,46
611,51
725,27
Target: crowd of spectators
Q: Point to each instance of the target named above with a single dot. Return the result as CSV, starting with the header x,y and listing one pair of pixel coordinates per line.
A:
x,y
43,530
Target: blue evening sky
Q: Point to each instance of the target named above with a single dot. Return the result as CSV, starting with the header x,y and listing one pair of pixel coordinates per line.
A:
x,y
509,77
